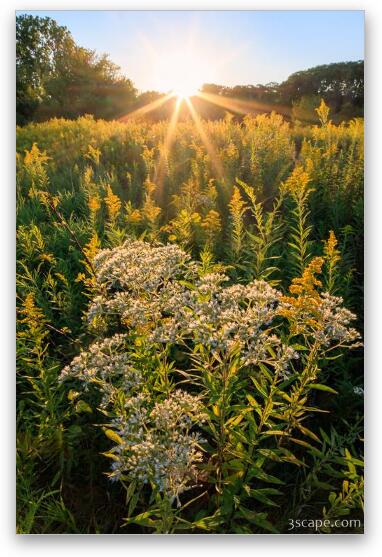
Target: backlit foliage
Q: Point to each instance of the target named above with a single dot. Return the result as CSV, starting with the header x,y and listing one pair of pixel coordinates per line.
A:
x,y
189,325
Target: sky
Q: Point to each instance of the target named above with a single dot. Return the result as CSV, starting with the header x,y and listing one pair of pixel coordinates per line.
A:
x,y
157,48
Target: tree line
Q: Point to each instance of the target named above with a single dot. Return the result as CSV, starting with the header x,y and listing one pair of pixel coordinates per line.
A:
x,y
55,77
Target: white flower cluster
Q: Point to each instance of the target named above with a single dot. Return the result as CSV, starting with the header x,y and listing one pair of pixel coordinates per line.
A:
x,y
152,293
358,391
157,292
157,446
331,322
223,317
208,313
108,365
336,320
136,266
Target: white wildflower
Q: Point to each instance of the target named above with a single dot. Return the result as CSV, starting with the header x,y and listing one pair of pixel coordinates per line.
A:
x,y
358,391
158,447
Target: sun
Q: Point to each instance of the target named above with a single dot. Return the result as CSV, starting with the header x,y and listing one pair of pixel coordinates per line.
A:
x,y
185,91
182,73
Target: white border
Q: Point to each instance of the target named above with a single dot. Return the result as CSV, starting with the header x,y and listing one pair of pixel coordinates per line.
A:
x,y
286,546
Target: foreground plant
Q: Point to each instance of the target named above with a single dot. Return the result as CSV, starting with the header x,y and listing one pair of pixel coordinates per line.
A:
x,y
206,386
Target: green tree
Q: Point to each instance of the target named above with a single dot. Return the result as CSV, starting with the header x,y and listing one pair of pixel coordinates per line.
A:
x,y
38,40
56,77
338,84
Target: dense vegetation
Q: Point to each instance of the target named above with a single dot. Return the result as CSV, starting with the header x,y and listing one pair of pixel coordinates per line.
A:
x,y
57,78
341,85
184,323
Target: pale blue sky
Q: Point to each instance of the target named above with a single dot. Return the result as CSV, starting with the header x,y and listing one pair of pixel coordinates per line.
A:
x,y
237,47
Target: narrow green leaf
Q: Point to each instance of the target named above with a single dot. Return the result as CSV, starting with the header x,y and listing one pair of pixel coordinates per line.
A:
x,y
113,436
320,387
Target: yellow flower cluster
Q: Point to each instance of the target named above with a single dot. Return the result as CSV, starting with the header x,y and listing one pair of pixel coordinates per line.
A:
x,y
330,248
94,204
34,322
150,211
35,157
92,247
306,297
88,177
133,216
32,313
93,154
181,229
236,204
297,183
44,197
332,257
323,112
306,284
212,223
90,250
113,203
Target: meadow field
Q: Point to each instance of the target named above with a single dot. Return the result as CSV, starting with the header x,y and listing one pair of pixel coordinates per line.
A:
x,y
189,326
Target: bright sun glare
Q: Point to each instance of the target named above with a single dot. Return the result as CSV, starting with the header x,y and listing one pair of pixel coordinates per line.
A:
x,y
181,72
185,91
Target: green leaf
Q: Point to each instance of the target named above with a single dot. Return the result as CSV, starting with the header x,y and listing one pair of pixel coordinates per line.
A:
x,y
301,442
209,522
275,432
260,389
143,519
323,485
299,347
83,406
72,394
187,284
252,401
235,420
262,495
259,519
309,433
216,410
256,472
320,387
113,436
332,498
110,455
